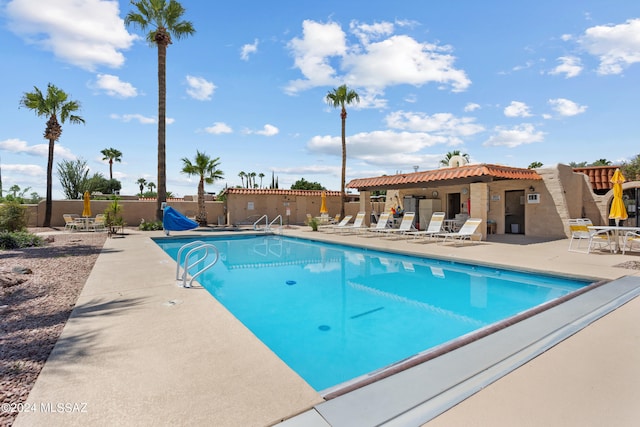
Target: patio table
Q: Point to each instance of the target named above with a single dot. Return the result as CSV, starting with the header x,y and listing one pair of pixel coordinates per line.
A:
x,y
83,223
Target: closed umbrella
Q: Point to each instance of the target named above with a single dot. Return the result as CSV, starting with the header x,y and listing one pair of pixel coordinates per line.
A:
x,y
618,210
86,210
323,205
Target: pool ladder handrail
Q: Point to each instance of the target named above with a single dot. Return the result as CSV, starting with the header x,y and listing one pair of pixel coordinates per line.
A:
x,y
266,223
279,217
194,247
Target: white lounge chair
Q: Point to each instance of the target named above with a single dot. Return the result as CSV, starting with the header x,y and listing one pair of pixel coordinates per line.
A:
x,y
357,224
435,226
70,223
332,227
406,226
467,230
381,225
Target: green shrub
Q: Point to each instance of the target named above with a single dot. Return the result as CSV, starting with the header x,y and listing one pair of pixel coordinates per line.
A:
x,y
19,239
13,216
150,225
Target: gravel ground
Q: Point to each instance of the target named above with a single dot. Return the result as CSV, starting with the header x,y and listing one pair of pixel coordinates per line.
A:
x,y
38,289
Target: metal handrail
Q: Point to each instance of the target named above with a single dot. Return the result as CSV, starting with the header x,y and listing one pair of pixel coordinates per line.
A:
x,y
202,248
182,249
266,222
279,217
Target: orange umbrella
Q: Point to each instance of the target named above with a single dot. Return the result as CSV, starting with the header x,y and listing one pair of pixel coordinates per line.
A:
x,y
618,210
323,205
86,210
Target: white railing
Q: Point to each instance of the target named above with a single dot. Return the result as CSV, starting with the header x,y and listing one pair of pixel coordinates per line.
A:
x,y
275,220
202,250
266,223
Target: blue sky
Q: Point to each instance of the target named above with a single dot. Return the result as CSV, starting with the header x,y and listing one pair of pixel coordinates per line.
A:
x,y
505,82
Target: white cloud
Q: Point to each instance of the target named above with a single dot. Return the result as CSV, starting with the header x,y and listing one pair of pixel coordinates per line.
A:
x,y
87,33
471,106
15,145
267,130
30,170
616,46
443,124
248,49
565,107
218,128
514,136
570,66
114,86
138,117
312,52
199,88
517,109
391,59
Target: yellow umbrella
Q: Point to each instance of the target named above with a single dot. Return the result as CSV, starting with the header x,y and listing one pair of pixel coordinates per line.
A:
x,y
618,211
323,205
86,210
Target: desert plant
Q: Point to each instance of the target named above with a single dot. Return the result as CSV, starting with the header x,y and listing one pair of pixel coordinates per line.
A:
x,y
13,216
313,223
150,225
19,239
113,216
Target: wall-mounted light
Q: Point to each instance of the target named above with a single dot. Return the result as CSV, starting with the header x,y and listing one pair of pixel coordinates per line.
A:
x,y
532,188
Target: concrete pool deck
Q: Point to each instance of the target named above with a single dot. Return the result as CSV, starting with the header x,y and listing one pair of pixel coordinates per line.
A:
x,y
138,350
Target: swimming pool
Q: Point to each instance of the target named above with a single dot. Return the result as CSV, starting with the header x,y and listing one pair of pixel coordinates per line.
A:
x,y
334,313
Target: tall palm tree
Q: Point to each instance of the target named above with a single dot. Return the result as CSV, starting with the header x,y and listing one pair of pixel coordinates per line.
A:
x,y
112,155
450,154
164,20
339,98
261,175
141,182
151,186
55,103
207,169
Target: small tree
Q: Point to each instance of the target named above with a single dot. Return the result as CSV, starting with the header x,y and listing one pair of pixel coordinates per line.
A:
x,y
303,184
207,170
142,183
13,216
73,175
113,217
535,165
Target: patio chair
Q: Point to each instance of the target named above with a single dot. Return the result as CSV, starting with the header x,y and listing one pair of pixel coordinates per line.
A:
x,y
465,233
357,223
406,226
630,238
333,227
98,223
579,229
435,226
70,223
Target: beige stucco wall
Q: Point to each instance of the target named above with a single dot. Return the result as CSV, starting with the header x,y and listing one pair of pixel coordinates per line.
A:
x,y
133,211
247,208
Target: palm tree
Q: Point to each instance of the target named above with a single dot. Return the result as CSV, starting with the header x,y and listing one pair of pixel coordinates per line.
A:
x,y
141,182
339,98
151,186
252,175
164,19
112,155
261,175
55,103
450,154
207,169
242,174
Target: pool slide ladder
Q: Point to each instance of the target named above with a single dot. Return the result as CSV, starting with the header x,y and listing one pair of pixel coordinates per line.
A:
x,y
268,226
200,250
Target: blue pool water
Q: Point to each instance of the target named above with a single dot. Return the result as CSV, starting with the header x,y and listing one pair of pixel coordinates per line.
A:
x,y
333,313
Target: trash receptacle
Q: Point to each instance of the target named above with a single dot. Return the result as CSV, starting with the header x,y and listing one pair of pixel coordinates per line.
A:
x,y
515,228
221,220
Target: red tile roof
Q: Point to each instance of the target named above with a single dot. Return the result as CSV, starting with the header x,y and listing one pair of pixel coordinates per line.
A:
x,y
599,176
282,192
484,172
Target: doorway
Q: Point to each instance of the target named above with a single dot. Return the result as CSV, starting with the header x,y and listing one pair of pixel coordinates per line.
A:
x,y
514,212
453,205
